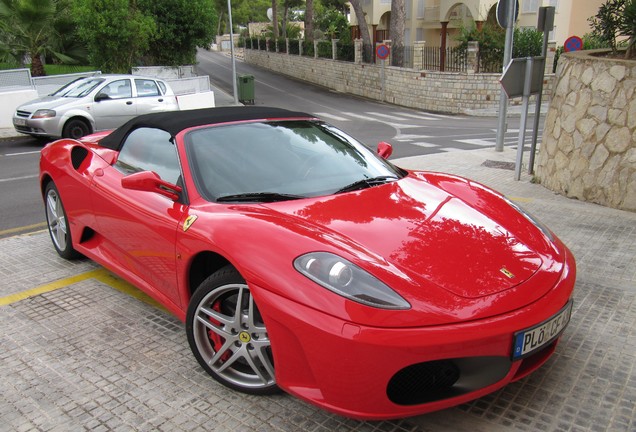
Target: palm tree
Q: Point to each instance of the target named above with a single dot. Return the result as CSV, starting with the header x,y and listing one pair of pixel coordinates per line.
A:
x,y
396,32
367,49
275,18
27,27
309,20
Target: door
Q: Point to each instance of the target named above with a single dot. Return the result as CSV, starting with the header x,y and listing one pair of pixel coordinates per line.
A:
x,y
116,108
149,97
139,228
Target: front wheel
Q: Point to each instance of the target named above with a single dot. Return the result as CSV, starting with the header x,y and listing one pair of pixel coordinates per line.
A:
x,y
75,129
228,336
57,223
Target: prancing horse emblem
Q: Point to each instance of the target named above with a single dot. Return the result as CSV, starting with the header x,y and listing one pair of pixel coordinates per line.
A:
x,y
507,272
188,222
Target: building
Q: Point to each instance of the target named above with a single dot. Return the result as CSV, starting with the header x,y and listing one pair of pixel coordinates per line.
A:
x,y
437,22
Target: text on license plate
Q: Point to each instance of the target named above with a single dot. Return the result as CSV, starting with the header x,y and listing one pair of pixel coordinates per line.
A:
x,y
530,340
19,122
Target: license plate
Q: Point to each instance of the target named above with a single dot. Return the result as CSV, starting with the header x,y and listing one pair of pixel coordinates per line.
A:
x,y
19,122
528,341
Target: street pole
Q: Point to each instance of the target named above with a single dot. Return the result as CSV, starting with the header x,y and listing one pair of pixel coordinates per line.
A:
x,y
503,97
229,14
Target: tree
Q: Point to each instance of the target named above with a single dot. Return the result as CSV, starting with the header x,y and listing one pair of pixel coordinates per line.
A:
x,y
309,20
367,48
181,27
615,18
116,32
398,17
28,27
275,18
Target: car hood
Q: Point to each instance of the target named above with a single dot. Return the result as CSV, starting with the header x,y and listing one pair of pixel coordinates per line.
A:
x,y
48,102
430,235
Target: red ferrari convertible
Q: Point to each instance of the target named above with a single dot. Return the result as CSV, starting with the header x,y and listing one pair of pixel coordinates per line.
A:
x,y
300,260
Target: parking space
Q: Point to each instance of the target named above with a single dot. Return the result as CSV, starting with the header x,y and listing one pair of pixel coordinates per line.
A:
x,y
82,350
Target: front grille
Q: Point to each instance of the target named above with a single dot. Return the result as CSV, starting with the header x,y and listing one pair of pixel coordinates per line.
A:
x,y
443,379
21,113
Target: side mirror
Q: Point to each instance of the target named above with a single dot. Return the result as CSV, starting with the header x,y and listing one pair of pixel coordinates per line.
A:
x,y
149,181
101,96
384,149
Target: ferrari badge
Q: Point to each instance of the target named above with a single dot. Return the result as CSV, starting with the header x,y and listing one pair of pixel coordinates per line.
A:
x,y
189,221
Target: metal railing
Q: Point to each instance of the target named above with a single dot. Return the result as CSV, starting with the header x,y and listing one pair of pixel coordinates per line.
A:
x,y
48,84
196,84
166,72
15,79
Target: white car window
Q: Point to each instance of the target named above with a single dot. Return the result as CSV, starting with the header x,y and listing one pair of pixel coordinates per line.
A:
x,y
146,88
119,89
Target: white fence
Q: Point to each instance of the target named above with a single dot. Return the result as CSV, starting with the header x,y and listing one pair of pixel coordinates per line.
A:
x,y
166,72
21,79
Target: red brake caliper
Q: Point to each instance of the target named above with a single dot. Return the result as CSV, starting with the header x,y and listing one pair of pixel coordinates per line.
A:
x,y
217,340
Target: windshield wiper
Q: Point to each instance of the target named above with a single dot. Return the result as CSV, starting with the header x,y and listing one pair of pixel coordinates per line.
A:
x,y
258,197
366,183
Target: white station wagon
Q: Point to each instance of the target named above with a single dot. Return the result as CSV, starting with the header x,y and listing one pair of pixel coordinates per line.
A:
x,y
93,104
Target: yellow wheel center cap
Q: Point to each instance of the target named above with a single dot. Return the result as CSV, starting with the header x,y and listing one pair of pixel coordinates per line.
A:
x,y
244,337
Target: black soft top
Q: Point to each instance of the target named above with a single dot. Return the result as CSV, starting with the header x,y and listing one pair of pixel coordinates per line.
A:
x,y
174,122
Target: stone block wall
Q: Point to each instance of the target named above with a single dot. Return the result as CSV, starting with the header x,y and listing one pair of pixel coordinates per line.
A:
x,y
448,92
589,138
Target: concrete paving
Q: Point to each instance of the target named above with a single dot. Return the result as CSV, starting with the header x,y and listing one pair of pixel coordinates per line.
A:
x,y
82,350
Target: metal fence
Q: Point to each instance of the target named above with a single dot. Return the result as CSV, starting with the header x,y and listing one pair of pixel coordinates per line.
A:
x,y
21,79
166,72
196,84
455,60
15,79
48,84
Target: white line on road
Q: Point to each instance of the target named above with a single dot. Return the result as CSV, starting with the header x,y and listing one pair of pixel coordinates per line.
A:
x,y
18,178
22,153
330,116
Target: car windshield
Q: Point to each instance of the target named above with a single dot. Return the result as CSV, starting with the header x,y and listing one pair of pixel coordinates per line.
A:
x,y
78,88
281,160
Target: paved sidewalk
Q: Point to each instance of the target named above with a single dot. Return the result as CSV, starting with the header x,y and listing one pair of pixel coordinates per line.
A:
x,y
91,357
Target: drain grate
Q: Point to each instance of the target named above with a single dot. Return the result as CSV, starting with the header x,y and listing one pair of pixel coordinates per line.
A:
x,y
499,164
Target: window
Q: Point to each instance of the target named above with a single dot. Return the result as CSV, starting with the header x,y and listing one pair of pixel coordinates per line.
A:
x,y
529,6
146,88
408,9
119,89
420,8
149,149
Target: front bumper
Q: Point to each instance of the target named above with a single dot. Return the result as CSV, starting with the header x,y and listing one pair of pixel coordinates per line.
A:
x,y
44,127
381,373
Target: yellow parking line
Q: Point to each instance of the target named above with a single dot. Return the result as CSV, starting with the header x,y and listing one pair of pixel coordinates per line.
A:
x,y
23,228
101,275
521,199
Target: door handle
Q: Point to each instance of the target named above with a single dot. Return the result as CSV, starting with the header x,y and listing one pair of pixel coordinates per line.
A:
x,y
160,100
129,103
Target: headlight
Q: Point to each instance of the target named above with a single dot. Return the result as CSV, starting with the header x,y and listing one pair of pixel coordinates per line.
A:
x,y
348,280
544,229
43,113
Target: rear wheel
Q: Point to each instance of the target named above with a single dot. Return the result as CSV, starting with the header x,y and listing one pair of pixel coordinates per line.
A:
x,y
57,223
75,129
228,336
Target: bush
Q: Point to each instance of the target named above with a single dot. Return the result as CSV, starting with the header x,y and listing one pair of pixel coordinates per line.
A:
x,y
308,48
324,49
294,46
345,51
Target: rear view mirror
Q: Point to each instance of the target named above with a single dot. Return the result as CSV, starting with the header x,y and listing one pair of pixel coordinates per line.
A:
x,y
150,181
384,149
101,96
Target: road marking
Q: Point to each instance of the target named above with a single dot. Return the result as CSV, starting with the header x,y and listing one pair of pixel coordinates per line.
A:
x,y
331,116
22,153
424,144
419,117
102,275
18,178
477,141
23,228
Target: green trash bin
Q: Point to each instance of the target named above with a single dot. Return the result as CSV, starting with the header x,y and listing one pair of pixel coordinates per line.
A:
x,y
245,88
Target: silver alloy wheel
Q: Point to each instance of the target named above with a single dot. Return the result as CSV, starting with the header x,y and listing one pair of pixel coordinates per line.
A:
x,y
232,339
56,219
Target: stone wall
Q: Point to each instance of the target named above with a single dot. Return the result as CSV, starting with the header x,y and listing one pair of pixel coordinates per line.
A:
x,y
448,92
588,150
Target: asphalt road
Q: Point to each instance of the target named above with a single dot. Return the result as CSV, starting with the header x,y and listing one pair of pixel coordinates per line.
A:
x,y
411,132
